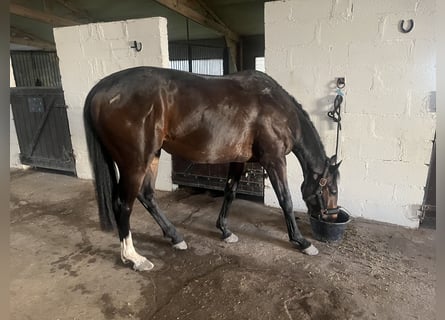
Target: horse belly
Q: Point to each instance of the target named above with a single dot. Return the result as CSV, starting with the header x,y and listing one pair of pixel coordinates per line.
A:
x,y
211,153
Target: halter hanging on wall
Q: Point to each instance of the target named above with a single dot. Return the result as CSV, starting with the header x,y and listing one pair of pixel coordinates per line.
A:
x,y
335,114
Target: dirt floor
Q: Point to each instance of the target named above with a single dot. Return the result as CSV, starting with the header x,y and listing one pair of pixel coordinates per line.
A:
x,y
64,267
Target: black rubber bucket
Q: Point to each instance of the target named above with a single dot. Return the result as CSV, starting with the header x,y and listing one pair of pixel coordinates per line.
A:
x,y
330,231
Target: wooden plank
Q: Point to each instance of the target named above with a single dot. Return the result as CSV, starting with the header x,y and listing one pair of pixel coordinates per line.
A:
x,y
204,6
41,16
182,7
44,138
81,14
18,36
188,8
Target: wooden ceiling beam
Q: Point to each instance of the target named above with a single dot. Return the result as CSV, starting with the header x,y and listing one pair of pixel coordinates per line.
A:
x,y
81,14
209,11
18,36
194,10
41,16
199,12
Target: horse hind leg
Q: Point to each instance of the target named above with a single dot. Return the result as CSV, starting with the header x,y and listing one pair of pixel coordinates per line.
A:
x,y
147,199
129,254
235,171
129,184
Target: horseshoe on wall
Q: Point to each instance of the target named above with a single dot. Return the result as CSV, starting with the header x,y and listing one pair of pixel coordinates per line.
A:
x,y
408,28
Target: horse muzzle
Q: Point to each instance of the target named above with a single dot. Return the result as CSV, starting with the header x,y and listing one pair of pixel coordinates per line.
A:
x,y
330,214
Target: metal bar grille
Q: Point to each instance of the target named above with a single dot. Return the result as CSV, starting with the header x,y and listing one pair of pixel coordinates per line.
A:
x,y
204,59
36,68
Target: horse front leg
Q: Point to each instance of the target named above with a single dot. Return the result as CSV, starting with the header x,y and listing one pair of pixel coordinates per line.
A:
x,y
235,171
278,177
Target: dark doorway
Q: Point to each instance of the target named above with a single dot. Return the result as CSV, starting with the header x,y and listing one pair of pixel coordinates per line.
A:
x,y
42,128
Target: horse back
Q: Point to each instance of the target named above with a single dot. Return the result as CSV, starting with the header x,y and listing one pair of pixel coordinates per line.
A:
x,y
200,118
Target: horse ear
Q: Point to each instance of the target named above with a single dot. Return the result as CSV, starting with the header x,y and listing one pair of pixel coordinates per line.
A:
x,y
333,159
338,165
334,167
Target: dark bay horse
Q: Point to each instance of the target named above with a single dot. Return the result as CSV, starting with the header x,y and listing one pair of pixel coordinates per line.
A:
x,y
247,116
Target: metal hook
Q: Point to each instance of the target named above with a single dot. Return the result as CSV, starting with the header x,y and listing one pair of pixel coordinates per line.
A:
x,y
341,83
409,28
137,46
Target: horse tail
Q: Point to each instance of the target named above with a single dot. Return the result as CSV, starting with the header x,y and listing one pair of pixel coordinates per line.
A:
x,y
104,173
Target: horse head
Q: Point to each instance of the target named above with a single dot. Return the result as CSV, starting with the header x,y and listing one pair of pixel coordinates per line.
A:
x,y
320,191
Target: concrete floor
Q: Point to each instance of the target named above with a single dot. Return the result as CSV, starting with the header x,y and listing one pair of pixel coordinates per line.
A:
x,y
64,267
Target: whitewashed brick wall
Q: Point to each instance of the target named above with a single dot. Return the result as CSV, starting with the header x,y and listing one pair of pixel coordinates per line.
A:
x,y
388,114
87,53
14,149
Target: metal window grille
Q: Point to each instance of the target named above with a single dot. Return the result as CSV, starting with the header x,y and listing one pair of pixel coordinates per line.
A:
x,y
36,68
197,59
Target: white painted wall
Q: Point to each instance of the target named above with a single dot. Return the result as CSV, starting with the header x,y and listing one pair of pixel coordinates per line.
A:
x,y
87,53
388,114
14,149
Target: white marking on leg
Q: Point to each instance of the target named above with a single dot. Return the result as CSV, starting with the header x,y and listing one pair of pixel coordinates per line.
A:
x,y
180,245
128,253
311,250
231,239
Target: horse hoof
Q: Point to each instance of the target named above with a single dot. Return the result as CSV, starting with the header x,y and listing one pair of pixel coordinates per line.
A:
x,y
231,239
180,245
144,265
311,250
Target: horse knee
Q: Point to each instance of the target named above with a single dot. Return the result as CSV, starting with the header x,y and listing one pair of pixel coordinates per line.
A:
x,y
287,206
229,196
147,194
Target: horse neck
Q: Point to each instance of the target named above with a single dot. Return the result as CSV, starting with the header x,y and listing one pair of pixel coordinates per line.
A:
x,y
308,147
